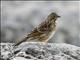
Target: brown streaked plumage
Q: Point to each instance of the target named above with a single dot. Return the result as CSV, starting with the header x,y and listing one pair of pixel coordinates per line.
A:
x,y
43,32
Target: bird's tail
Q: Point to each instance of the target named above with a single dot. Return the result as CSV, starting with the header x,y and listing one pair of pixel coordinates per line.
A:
x,y
23,40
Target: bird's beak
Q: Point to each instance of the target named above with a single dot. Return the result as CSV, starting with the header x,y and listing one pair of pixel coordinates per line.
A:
x,y
58,16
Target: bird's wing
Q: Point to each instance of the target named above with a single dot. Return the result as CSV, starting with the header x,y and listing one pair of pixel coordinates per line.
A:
x,y
44,27
34,33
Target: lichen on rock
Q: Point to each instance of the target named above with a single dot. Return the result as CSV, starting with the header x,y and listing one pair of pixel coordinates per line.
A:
x,y
49,51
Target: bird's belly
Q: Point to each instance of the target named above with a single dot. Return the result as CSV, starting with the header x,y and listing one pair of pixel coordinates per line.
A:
x,y
46,37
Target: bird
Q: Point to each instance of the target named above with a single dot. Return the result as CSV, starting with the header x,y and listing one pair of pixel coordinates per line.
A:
x,y
43,32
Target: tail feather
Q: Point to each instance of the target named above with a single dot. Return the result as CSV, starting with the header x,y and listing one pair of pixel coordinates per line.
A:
x,y
25,39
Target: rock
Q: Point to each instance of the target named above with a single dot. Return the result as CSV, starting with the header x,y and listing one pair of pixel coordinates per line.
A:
x,y
48,51
6,50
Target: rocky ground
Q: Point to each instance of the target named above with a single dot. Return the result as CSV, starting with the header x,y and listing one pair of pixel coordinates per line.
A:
x,y
39,51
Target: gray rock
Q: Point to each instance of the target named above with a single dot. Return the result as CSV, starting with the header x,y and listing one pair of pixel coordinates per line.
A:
x,y
6,50
48,51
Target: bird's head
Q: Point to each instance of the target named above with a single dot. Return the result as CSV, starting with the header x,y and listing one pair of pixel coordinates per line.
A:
x,y
53,16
